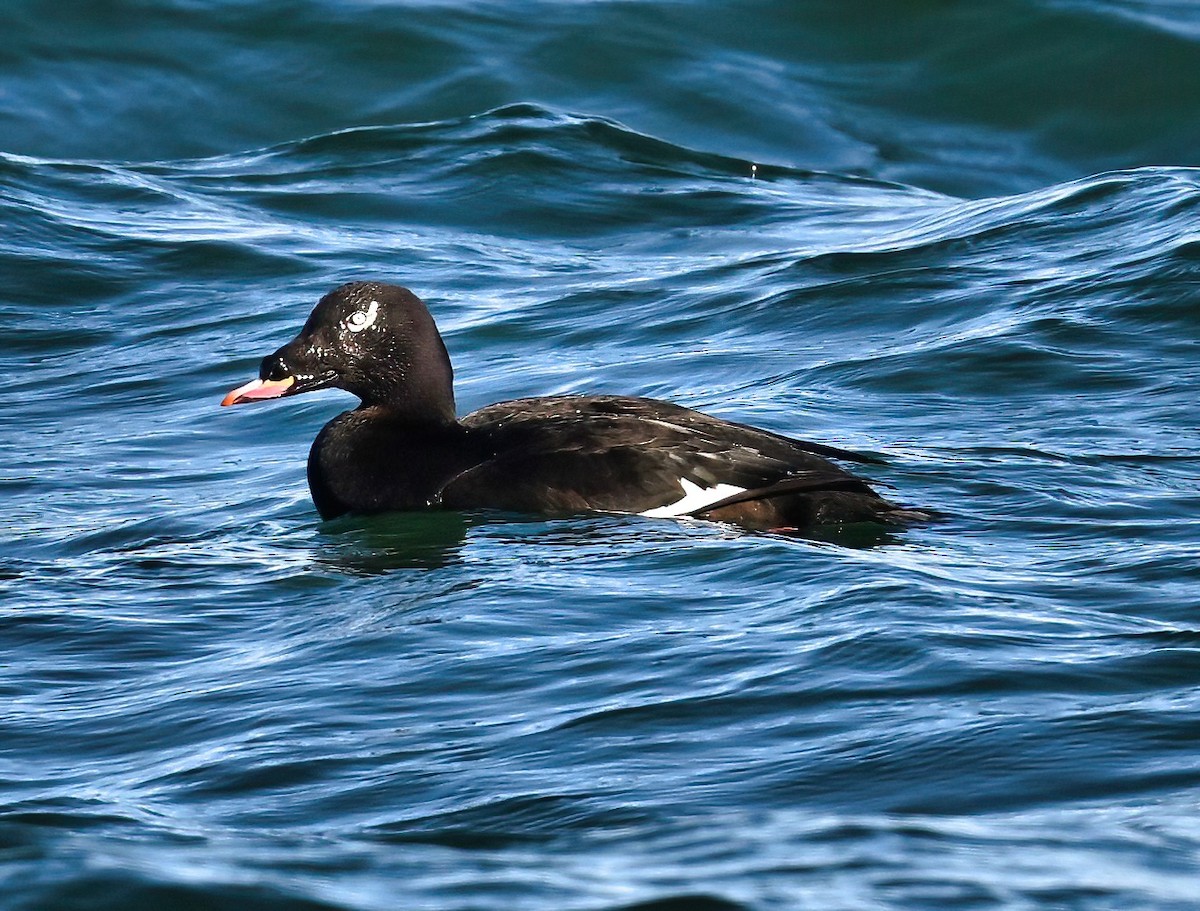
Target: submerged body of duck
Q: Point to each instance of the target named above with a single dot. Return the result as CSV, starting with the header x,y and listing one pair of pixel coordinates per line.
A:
x,y
404,448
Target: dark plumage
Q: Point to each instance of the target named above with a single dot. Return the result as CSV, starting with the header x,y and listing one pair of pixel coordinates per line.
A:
x,y
403,448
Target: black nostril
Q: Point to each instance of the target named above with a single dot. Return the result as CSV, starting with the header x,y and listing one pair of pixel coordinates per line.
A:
x,y
273,367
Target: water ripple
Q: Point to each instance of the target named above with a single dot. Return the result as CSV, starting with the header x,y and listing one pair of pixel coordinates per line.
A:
x,y
932,240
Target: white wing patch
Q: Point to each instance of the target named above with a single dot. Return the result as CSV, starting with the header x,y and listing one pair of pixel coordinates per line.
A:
x,y
694,497
363,319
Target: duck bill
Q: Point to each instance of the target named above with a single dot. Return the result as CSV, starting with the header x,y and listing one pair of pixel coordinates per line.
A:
x,y
255,390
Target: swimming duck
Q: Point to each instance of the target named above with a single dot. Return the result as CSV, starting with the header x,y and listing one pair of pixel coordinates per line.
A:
x,y
405,448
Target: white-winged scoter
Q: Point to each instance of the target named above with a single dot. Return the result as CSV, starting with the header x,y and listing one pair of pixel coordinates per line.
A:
x,y
404,448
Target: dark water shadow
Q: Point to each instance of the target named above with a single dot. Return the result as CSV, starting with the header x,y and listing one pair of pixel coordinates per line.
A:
x,y
854,535
373,545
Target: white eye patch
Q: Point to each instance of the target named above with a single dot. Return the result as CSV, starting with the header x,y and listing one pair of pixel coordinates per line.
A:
x,y
363,319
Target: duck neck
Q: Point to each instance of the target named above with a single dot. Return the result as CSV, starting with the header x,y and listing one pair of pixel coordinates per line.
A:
x,y
418,413
420,392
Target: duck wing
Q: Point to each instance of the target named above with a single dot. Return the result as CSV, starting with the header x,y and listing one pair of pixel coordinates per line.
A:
x,y
621,454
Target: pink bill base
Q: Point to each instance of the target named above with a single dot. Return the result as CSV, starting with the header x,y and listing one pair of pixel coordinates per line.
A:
x,y
258,389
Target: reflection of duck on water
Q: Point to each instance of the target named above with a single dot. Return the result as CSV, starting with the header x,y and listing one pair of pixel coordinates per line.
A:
x,y
372,545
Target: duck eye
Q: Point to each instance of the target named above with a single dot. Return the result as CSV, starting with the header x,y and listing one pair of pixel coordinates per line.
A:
x,y
363,319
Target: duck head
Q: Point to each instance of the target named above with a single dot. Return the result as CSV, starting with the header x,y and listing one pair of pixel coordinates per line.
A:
x,y
374,340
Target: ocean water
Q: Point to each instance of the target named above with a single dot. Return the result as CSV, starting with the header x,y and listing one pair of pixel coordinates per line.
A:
x,y
964,237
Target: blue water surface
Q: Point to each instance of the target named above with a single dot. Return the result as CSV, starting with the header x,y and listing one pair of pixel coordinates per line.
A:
x,y
963,237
